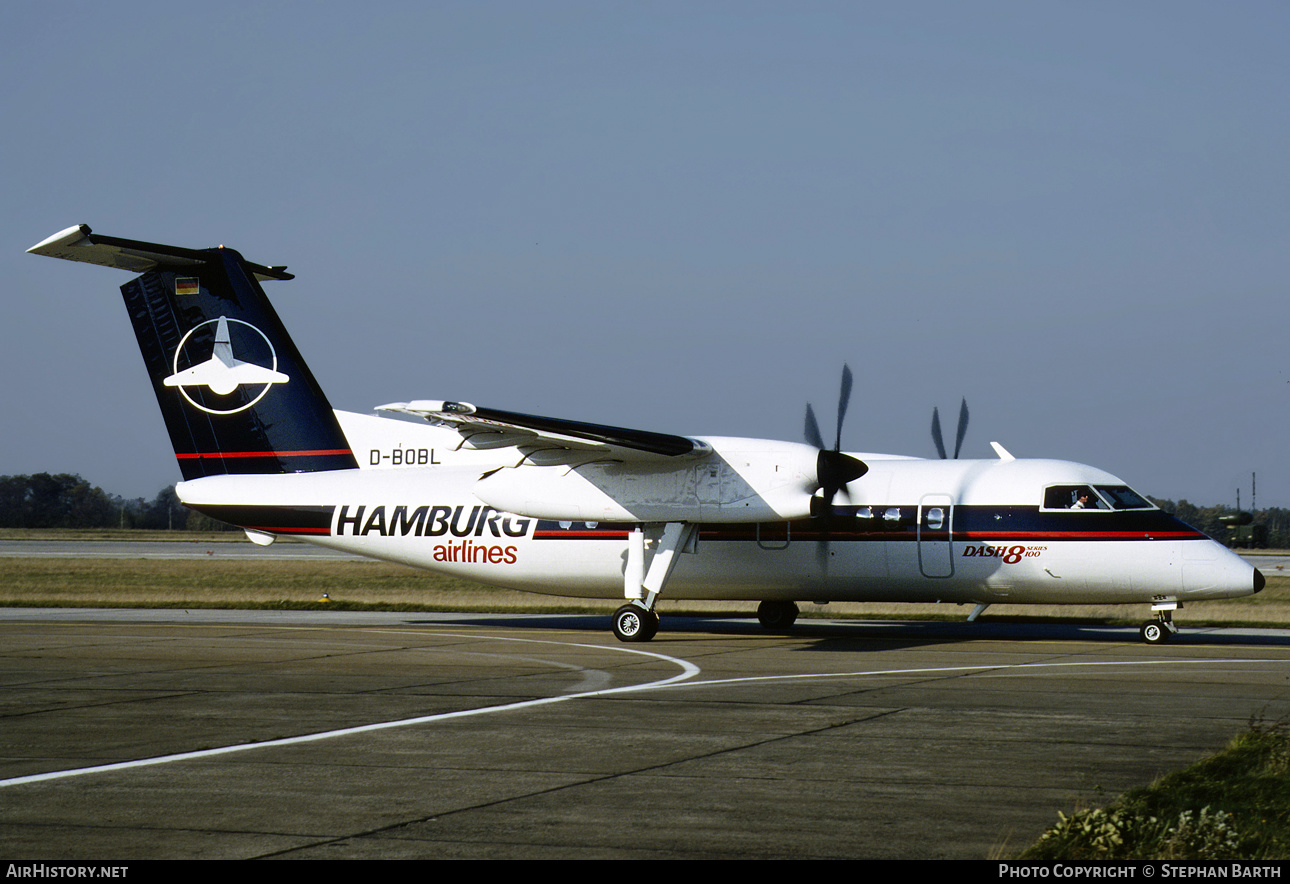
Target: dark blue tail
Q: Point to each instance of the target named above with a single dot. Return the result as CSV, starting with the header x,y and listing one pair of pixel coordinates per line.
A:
x,y
235,394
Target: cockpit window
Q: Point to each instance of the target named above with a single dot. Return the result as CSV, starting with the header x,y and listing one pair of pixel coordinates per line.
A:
x,y
1072,497
1122,497
1088,497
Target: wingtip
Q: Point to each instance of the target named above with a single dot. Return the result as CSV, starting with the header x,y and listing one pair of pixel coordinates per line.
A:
x,y
62,239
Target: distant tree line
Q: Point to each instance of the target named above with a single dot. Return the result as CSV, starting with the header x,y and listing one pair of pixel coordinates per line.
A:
x,y
1209,520
43,500
67,501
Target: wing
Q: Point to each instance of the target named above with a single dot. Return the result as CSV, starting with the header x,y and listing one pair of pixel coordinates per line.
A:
x,y
549,440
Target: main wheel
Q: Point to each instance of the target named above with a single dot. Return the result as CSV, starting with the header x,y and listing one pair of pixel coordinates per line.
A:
x,y
635,624
1154,632
777,615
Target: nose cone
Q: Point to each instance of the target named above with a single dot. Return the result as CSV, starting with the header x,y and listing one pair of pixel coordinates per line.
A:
x,y
1212,571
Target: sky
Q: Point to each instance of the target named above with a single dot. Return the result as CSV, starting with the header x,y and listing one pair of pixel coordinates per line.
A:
x,y
680,217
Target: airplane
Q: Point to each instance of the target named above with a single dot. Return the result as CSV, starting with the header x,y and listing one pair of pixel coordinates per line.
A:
x,y
586,510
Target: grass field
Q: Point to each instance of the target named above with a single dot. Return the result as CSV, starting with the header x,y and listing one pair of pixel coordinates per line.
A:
x,y
1233,805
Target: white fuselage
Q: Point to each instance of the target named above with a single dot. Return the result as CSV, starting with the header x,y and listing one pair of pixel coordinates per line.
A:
x,y
909,530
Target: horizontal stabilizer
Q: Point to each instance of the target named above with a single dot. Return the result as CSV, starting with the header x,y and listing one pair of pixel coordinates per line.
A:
x,y
79,243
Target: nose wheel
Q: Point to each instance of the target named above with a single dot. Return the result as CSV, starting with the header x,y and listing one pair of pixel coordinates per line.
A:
x,y
1158,631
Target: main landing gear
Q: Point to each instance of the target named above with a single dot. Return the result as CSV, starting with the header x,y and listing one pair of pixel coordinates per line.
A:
x,y
633,623
777,616
1155,632
652,552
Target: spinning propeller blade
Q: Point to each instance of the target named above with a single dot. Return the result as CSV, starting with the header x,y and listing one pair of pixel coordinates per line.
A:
x,y
813,429
833,469
962,431
963,422
844,399
936,433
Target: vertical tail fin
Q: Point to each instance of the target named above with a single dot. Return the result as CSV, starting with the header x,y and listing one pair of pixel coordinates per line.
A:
x,y
235,393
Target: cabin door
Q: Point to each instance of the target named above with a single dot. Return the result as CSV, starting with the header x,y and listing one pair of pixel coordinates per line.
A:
x,y
936,535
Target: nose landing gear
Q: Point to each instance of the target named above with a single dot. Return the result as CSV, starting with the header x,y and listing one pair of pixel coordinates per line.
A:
x,y
1158,631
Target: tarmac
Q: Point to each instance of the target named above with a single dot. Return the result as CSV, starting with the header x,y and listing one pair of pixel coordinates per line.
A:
x,y
318,735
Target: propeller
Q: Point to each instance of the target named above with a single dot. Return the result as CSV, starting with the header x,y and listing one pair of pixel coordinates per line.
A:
x,y
833,469
936,431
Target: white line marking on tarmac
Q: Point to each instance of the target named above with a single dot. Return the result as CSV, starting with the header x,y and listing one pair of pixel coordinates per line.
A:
x,y
681,680
688,670
985,668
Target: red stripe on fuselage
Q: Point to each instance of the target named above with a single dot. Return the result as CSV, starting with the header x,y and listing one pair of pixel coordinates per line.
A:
x,y
1076,535
278,529
196,455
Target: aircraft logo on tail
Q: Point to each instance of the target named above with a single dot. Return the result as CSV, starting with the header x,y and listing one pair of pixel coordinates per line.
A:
x,y
223,373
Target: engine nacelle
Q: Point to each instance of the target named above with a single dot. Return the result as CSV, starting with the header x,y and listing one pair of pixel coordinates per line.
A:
x,y
733,484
